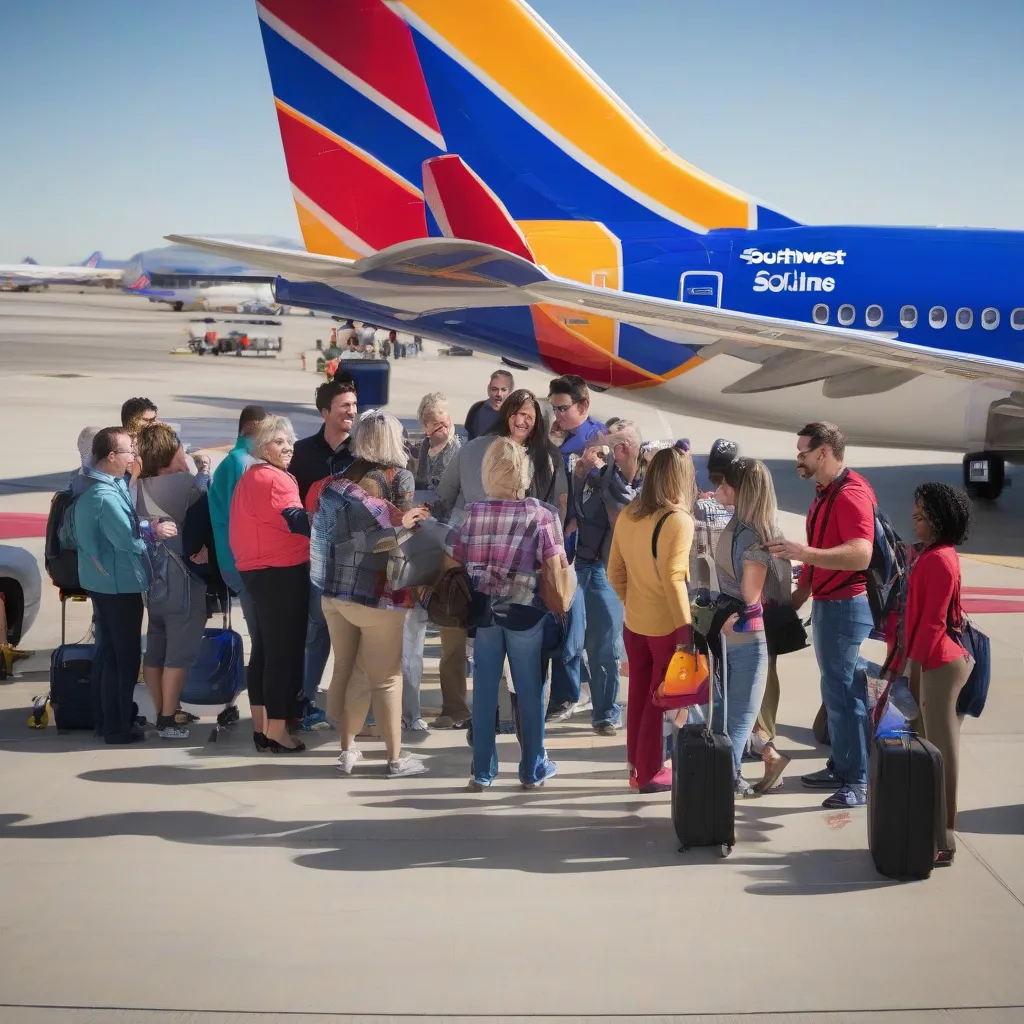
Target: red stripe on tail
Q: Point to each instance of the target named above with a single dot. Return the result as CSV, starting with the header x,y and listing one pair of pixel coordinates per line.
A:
x,y
356,193
368,39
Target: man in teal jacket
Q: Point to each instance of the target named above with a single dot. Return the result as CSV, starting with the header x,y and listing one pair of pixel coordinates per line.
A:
x,y
222,489
113,568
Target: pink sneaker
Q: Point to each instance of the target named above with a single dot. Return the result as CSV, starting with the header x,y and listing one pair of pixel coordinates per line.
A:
x,y
661,783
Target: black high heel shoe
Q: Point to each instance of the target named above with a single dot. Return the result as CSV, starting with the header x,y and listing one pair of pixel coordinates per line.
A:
x,y
261,742
274,747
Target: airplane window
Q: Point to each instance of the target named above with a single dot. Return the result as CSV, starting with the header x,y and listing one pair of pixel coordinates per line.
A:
x,y
1017,319
846,315
990,318
964,318
908,316
937,316
873,316
820,313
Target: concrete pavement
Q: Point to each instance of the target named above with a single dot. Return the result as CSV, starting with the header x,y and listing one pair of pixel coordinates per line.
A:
x,y
201,879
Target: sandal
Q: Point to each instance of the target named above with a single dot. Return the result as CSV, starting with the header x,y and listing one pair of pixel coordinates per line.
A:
x,y
774,767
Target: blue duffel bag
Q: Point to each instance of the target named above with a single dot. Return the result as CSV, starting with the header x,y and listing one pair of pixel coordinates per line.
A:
x,y
975,692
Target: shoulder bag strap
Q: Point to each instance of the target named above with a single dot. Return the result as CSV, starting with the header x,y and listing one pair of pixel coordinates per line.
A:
x,y
827,507
656,534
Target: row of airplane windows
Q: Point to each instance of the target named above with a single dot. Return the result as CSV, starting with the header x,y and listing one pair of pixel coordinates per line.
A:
x,y
937,316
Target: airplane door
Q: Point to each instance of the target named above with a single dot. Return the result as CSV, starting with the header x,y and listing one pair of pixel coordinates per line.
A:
x,y
702,287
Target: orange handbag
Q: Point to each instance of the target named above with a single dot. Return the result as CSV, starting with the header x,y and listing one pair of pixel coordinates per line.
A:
x,y
686,681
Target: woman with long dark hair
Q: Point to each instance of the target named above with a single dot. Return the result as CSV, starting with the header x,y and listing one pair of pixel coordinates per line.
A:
x,y
937,665
521,419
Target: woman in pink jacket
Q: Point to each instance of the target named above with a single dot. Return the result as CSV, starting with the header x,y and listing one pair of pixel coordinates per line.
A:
x,y
269,535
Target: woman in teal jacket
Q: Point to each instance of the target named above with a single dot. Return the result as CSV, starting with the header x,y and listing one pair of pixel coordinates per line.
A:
x,y
112,567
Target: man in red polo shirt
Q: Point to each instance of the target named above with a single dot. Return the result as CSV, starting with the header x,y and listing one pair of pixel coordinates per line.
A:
x,y
840,539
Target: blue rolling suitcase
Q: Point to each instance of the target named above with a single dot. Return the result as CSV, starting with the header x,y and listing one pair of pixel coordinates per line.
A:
x,y
218,675
71,681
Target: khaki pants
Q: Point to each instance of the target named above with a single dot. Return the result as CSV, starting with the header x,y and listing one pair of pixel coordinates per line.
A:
x,y
766,719
453,673
940,724
367,645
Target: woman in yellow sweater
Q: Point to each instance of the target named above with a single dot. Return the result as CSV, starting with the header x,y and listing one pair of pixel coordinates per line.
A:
x,y
649,567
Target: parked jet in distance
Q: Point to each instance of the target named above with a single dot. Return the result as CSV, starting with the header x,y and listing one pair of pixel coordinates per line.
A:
x,y
231,297
28,274
572,239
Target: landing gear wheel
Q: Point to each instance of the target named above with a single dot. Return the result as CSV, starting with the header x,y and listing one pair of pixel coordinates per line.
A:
x,y
984,475
177,306
724,850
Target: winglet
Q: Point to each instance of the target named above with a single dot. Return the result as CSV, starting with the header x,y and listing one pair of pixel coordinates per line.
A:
x,y
464,207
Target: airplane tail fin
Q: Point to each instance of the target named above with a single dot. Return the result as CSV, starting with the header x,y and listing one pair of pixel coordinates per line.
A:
x,y
546,134
140,284
93,260
30,261
356,121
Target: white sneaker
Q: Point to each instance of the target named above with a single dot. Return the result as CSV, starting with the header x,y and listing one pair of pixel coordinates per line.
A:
x,y
418,725
586,702
348,759
173,732
405,765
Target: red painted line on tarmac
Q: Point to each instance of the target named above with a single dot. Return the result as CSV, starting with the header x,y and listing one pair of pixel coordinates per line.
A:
x,y
22,524
981,606
994,591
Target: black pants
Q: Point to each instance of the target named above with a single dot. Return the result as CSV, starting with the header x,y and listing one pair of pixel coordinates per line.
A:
x,y
276,662
119,650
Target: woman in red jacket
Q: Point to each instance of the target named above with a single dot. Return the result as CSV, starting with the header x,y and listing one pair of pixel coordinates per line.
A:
x,y
937,665
269,534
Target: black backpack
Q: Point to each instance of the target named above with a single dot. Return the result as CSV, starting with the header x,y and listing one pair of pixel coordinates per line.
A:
x,y
60,555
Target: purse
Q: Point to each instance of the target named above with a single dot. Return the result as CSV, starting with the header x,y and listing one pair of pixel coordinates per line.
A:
x,y
557,587
783,630
419,560
975,692
687,681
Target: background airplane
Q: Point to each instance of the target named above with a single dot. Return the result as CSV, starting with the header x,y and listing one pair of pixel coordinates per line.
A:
x,y
28,274
572,239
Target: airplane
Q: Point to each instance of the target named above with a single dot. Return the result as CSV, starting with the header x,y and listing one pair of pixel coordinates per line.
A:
x,y
29,274
232,296
483,187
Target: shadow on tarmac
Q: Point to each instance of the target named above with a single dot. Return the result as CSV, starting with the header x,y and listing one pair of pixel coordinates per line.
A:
x,y
543,843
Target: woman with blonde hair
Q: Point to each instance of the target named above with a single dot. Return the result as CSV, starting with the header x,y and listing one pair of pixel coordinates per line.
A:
x,y
648,567
506,544
746,573
269,535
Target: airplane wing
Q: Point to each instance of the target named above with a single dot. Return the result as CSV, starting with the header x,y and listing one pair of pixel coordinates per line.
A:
x,y
426,276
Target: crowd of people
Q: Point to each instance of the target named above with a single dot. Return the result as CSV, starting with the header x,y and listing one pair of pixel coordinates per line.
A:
x,y
581,544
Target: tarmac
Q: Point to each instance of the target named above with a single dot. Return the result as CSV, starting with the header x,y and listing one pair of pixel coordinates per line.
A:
x,y
197,881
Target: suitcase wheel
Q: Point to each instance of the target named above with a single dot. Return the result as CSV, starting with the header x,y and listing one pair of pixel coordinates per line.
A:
x,y
214,734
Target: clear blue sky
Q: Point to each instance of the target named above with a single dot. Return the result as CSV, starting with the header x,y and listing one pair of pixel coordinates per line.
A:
x,y
123,121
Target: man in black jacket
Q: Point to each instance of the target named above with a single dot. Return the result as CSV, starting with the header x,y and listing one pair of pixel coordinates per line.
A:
x,y
484,414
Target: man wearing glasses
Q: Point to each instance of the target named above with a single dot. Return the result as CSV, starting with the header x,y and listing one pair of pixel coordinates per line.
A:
x,y
840,541
112,567
570,402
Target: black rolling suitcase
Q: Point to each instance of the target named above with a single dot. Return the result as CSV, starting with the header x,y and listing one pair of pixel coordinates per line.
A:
x,y
71,680
703,793
906,805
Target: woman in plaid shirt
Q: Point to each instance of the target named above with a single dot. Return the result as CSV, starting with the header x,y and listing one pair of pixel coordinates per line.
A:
x,y
504,543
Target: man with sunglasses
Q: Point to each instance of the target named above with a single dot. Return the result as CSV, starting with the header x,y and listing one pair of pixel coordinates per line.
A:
x,y
840,540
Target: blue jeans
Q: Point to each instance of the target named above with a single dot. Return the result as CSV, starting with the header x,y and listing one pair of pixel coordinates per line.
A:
x,y
747,665
567,669
318,646
523,649
838,630
603,632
